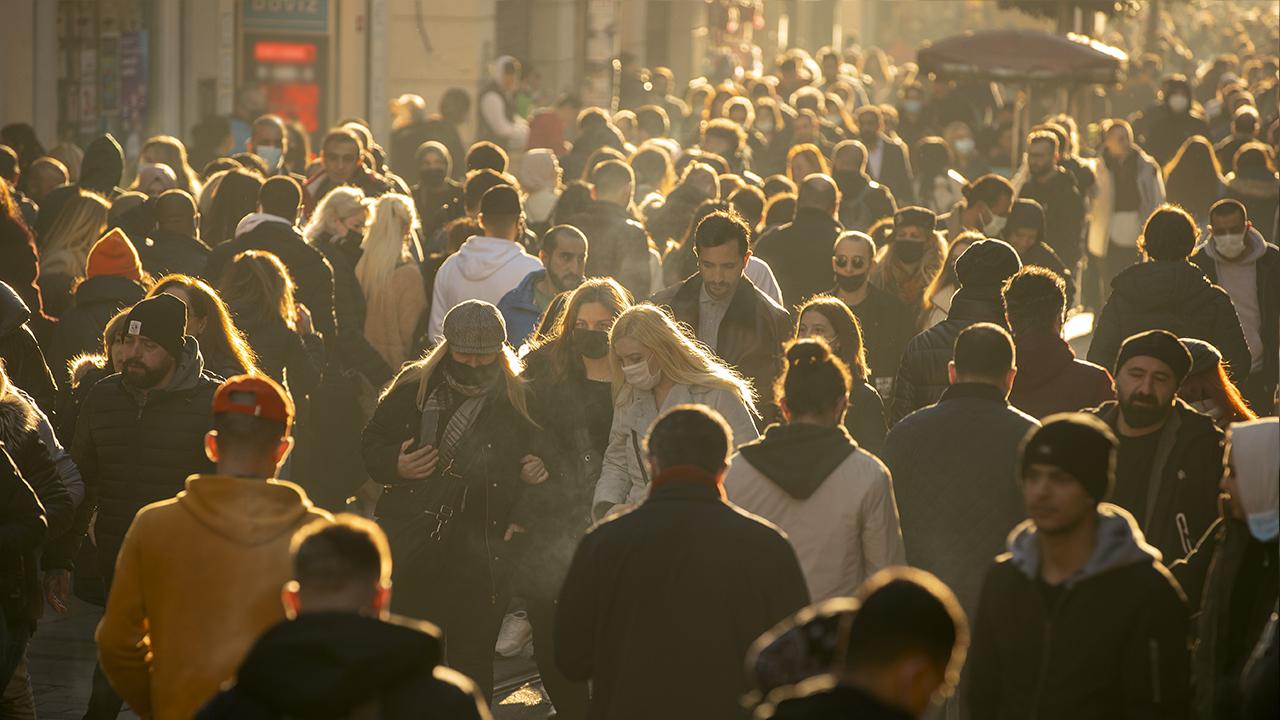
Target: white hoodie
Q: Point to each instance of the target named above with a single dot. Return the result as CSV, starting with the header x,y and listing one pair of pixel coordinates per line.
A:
x,y
486,268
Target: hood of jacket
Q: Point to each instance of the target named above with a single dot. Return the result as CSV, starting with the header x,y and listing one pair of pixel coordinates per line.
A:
x,y
798,457
14,313
1256,248
1118,544
110,289
482,256
17,418
1042,357
103,165
253,220
88,368
324,663
247,511
1158,285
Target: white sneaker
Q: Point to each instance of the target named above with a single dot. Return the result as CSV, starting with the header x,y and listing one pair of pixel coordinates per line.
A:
x,y
515,634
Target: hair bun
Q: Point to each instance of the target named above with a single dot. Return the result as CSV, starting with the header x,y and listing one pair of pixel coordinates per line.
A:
x,y
808,351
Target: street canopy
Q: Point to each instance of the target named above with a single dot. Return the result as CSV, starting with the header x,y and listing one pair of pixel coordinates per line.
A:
x,y
1023,56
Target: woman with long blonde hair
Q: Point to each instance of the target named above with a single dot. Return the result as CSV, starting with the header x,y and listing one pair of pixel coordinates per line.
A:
x,y
65,247
222,345
451,444
657,365
390,280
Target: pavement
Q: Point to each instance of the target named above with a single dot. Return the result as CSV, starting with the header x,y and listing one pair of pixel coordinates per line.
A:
x,y
62,654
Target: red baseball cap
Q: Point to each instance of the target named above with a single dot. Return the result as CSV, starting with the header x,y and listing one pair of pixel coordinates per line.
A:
x,y
254,395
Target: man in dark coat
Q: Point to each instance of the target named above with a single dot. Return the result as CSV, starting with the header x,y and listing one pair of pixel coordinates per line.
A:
x,y
140,433
619,243
1171,294
1163,126
887,323
339,623
272,229
729,314
863,201
174,246
799,252
345,163
1079,619
1236,258
922,376
955,483
437,196
1051,185
888,161
1050,378
23,360
662,602
1170,457
1025,231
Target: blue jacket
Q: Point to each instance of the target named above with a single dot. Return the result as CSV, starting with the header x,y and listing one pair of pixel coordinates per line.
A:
x,y
519,309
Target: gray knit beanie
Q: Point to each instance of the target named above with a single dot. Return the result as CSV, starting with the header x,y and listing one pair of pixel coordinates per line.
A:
x,y
475,327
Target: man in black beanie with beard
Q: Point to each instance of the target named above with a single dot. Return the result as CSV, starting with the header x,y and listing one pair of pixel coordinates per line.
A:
x,y
1170,457
139,435
1079,619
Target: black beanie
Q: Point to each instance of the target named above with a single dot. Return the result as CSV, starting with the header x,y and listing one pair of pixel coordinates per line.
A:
x,y
1078,443
1159,344
161,319
987,263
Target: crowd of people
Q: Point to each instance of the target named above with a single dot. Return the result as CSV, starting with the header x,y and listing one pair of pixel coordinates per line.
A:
x,y
751,396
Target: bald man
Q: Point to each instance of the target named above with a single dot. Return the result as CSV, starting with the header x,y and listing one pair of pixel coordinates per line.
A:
x,y
174,246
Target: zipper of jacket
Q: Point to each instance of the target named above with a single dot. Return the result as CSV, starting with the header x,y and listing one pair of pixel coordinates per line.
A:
x,y
1042,673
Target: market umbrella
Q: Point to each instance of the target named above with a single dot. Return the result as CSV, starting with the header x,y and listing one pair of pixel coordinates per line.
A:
x,y
1014,56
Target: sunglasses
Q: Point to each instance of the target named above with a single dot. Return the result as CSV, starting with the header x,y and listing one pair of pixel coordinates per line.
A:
x,y
856,263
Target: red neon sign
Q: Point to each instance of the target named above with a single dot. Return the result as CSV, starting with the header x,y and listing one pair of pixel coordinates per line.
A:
x,y
285,53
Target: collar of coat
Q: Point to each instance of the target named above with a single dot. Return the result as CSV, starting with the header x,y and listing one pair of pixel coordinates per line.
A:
x,y
742,306
687,476
974,391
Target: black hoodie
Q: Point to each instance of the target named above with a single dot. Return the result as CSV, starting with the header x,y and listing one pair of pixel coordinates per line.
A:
x,y
337,664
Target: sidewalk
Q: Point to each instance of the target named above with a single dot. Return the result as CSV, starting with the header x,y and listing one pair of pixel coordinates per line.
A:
x,y
62,658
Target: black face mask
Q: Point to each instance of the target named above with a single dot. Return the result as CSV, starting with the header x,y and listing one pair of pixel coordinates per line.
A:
x,y
353,237
473,376
431,177
909,252
851,283
592,344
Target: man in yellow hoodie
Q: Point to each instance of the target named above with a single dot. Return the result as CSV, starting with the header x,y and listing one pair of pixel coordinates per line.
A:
x,y
198,577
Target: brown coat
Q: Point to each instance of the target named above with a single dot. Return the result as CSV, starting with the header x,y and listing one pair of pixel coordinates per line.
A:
x,y
198,579
1052,380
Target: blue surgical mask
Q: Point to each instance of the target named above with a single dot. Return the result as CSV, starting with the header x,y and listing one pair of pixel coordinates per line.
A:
x,y
271,155
1265,526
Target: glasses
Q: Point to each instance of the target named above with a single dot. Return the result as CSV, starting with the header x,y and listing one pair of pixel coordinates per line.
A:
x,y
856,263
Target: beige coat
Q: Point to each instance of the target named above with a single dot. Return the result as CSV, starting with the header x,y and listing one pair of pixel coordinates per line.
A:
x,y
391,322
843,534
198,579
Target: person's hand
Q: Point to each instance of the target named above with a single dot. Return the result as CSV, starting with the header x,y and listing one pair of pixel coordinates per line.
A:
x,y
512,529
532,471
57,586
305,326
418,464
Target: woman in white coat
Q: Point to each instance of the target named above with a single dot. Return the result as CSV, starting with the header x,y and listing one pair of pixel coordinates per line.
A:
x,y
833,500
657,366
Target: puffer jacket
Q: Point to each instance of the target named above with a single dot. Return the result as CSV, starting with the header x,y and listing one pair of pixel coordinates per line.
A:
x,y
625,477
750,336
93,304
1112,644
1182,491
619,246
833,500
134,449
23,361
922,375
1052,380
1173,296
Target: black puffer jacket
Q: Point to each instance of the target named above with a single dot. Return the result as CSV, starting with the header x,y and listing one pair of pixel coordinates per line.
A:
x,y
23,360
80,328
134,449
618,246
167,252
922,376
1173,296
349,309
339,665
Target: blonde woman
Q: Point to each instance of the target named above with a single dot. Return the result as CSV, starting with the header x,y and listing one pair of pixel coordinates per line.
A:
x,y
390,280
452,436
65,248
656,366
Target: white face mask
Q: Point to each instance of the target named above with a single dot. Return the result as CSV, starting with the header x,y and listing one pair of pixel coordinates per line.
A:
x,y
964,146
994,226
1210,408
1229,245
271,155
640,376
1178,103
